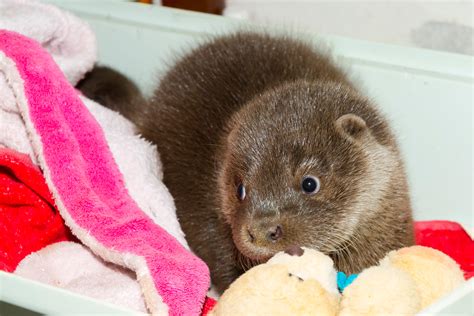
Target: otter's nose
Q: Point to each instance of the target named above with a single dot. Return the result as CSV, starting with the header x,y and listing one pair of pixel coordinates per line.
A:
x,y
274,233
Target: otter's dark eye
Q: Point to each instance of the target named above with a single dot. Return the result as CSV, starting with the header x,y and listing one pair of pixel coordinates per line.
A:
x,y
241,192
310,185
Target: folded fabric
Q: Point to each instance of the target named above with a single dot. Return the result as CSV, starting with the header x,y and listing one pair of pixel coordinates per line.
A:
x,y
139,163
69,41
72,45
88,188
57,265
28,219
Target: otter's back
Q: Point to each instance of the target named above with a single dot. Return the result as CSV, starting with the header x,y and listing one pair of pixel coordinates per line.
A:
x,y
198,95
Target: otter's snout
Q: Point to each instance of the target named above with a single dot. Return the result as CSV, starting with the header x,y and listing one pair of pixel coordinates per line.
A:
x,y
261,236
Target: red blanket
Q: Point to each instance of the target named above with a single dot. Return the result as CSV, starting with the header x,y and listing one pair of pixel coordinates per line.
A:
x,y
28,219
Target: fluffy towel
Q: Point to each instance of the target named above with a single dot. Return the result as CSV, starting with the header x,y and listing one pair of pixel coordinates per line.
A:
x,y
67,39
139,163
57,265
87,186
28,219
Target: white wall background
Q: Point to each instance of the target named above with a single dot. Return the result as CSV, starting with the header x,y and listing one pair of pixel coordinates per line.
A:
x,y
442,25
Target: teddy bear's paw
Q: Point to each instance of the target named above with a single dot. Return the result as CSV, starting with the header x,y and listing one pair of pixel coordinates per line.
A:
x,y
434,273
381,291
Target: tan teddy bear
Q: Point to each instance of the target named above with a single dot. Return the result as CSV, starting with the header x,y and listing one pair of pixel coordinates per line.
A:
x,y
302,281
291,283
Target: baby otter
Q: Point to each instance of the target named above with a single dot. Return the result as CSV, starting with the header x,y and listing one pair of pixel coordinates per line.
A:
x,y
265,144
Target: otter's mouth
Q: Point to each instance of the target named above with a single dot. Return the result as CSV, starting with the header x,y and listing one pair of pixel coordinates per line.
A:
x,y
256,254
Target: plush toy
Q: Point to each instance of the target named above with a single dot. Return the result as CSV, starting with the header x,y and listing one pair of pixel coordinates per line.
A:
x,y
303,281
405,282
292,283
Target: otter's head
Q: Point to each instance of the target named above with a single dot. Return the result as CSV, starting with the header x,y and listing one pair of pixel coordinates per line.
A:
x,y
304,164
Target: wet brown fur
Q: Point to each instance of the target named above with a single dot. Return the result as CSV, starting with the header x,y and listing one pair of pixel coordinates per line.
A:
x,y
266,110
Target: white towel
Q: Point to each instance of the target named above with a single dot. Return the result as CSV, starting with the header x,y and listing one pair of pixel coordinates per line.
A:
x,y
69,40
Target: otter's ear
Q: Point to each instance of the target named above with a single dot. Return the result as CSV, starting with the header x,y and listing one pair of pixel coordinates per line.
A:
x,y
352,127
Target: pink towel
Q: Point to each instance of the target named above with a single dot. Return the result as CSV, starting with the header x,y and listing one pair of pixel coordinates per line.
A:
x,y
88,188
